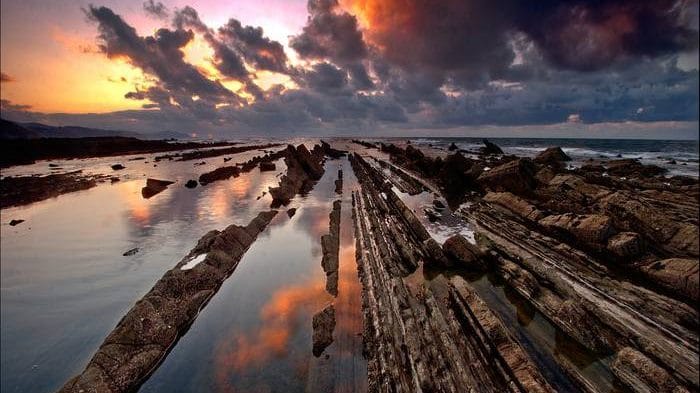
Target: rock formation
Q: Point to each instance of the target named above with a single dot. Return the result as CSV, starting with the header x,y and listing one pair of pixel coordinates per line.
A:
x,y
154,186
147,332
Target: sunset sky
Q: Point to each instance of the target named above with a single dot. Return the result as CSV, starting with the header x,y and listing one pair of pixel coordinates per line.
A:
x,y
398,67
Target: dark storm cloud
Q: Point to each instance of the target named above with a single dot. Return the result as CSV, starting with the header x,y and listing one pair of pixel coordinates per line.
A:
x,y
330,34
156,9
647,91
324,77
474,39
414,65
260,51
159,55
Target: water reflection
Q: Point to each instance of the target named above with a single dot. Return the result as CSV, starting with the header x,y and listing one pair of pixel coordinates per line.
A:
x,y
64,281
281,318
255,334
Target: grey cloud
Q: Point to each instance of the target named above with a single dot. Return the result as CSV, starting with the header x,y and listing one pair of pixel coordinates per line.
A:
x,y
156,9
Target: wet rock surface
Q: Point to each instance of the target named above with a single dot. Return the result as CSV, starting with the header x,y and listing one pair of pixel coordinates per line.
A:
x,y
463,253
227,172
490,148
330,246
303,169
424,336
206,153
22,190
154,187
148,331
323,325
607,252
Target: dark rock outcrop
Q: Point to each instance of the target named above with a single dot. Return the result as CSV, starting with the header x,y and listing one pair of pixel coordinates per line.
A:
x,y
517,177
679,275
490,148
632,168
131,252
323,325
552,156
592,230
641,374
291,212
154,186
267,166
191,183
22,190
303,169
15,222
339,182
331,152
626,245
515,205
118,167
330,247
462,253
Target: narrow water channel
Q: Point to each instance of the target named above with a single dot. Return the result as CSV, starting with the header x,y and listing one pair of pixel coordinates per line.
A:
x,y
255,334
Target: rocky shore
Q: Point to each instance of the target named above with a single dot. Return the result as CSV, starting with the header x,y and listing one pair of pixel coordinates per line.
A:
x,y
424,336
607,252
603,256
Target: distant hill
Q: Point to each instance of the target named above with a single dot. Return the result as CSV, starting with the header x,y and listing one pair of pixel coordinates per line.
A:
x,y
12,130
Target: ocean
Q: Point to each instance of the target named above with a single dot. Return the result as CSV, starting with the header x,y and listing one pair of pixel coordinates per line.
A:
x,y
658,152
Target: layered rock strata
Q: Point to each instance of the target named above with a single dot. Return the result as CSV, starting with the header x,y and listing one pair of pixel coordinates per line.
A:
x,y
143,337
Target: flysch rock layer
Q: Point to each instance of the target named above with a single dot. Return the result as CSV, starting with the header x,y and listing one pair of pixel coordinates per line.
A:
x,y
304,167
143,337
330,247
607,252
420,335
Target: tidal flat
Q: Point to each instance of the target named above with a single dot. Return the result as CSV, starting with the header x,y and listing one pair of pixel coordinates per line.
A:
x,y
353,265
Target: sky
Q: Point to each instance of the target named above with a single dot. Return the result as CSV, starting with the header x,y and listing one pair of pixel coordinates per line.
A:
x,y
568,68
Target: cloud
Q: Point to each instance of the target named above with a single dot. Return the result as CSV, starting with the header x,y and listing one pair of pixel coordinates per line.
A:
x,y
330,34
407,65
159,55
5,78
258,50
156,9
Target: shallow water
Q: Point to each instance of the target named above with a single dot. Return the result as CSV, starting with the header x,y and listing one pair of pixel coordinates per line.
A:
x,y
255,334
543,341
64,281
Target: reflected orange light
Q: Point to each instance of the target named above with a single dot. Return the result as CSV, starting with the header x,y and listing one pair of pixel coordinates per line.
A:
x,y
137,206
241,186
